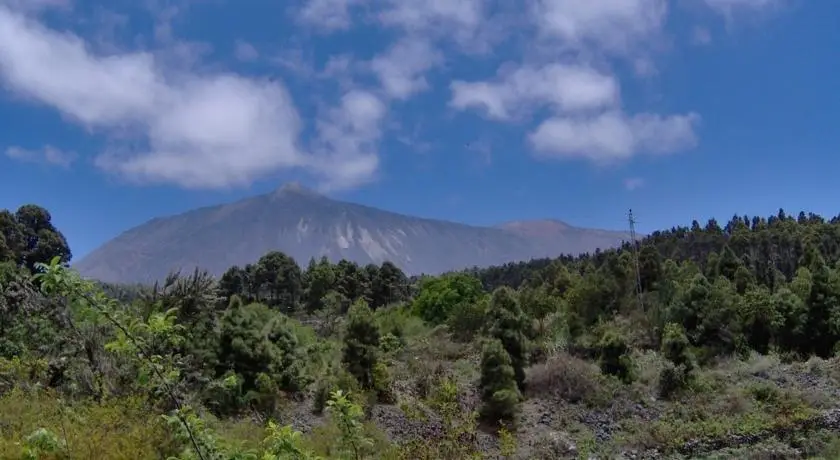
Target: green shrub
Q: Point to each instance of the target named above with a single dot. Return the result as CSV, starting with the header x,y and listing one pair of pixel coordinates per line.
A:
x,y
614,355
499,392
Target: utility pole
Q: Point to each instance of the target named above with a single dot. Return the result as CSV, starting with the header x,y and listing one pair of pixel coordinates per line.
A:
x,y
632,222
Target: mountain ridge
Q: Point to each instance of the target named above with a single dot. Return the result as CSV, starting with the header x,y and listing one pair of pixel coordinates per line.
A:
x,y
305,224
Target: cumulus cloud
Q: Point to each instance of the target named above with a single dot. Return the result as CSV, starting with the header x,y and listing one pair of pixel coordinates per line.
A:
x,y
46,155
563,87
347,140
614,25
194,129
586,117
38,5
328,15
170,119
401,69
466,22
612,136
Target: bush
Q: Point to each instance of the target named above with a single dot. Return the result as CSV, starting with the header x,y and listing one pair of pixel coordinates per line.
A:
x,y
614,355
467,319
382,384
672,379
676,347
566,377
390,343
335,379
678,371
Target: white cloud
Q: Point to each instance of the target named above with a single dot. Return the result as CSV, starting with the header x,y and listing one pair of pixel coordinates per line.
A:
x,y
37,5
348,137
400,70
587,119
46,155
328,15
198,126
613,136
615,25
463,21
235,129
245,51
193,129
564,87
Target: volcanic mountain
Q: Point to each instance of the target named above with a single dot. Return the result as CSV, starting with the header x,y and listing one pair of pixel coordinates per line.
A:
x,y
304,224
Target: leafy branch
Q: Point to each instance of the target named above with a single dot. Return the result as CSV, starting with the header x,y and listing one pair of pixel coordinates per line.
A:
x,y
56,279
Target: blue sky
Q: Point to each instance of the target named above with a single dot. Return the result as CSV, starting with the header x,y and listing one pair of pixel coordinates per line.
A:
x,y
468,110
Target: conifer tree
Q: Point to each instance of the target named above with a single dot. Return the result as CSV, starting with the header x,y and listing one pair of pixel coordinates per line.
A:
x,y
361,344
499,392
507,323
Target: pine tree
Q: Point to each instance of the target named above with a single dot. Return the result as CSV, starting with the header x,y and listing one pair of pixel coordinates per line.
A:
x,y
507,323
361,344
499,391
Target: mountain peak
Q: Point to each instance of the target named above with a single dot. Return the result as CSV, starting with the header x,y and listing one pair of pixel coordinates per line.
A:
x,y
295,188
304,224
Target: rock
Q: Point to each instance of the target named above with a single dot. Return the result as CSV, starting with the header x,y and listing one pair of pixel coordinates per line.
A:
x,y
554,445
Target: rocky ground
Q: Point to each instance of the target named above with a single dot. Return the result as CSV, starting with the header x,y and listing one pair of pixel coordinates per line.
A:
x,y
760,408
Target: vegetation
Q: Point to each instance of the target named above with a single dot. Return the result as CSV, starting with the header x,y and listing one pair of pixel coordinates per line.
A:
x,y
723,346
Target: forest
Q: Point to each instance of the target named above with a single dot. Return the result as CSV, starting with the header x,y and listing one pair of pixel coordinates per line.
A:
x,y
704,341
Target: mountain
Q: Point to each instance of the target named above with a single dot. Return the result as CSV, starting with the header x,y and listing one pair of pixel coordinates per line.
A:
x,y
304,224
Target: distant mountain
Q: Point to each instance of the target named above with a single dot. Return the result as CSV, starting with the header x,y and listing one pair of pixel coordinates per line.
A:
x,y
304,224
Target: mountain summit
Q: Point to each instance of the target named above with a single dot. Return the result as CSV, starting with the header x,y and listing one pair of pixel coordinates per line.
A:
x,y
304,224
295,188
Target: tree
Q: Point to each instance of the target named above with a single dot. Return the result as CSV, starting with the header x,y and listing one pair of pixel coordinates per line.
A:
x,y
823,301
361,344
319,279
439,296
388,285
760,318
278,280
255,340
507,323
650,267
234,281
29,237
538,304
350,281
500,394
728,263
12,237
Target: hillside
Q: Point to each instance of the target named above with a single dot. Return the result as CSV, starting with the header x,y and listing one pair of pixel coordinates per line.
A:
x,y
724,346
304,224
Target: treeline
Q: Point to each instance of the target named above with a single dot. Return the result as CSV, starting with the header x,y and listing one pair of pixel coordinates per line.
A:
x,y
277,280
753,283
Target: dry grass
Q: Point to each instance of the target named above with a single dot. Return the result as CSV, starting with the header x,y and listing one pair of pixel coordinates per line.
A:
x,y
565,377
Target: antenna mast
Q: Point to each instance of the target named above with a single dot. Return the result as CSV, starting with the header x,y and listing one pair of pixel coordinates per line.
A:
x,y
632,222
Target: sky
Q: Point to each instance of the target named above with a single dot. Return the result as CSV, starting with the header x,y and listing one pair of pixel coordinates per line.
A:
x,y
478,111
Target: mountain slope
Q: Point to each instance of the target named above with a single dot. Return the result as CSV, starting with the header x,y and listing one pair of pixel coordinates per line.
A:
x,y
304,224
